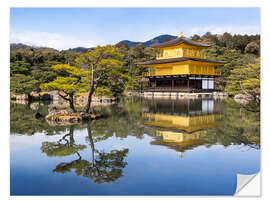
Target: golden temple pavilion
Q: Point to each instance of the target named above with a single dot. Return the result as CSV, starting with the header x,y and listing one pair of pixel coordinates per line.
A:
x,y
181,66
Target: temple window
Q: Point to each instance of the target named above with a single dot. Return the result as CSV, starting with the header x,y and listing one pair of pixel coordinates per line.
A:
x,y
185,52
160,53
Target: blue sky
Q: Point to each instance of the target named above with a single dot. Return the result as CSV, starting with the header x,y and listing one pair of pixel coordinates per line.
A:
x,y
64,28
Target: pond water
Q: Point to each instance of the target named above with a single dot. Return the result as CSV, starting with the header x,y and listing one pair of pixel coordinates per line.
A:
x,y
141,147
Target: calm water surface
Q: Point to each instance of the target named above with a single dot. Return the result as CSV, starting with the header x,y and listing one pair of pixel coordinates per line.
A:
x,y
141,147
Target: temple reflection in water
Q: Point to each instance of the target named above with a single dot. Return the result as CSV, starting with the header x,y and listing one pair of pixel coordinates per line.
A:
x,y
182,124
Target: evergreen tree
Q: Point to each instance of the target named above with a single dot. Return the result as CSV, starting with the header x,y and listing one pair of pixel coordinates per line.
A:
x,y
245,80
73,80
104,66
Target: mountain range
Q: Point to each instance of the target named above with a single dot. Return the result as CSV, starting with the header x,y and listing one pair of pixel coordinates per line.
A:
x,y
17,46
158,39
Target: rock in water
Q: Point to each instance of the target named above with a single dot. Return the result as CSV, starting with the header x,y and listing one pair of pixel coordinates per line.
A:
x,y
46,97
38,115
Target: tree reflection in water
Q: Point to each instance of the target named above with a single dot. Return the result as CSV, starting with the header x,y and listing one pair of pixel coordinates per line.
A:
x,y
178,124
104,167
64,147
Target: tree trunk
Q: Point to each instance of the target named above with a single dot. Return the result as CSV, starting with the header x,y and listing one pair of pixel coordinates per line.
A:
x,y
249,96
71,103
71,135
91,92
91,143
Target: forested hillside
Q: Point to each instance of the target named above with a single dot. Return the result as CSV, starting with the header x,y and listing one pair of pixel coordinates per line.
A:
x,y
241,73
158,39
31,66
20,46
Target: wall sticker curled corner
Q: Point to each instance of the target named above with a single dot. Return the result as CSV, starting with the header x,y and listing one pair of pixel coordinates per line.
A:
x,y
248,185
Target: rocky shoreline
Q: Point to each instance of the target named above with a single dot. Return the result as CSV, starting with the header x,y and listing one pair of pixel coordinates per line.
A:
x,y
53,96
243,99
59,112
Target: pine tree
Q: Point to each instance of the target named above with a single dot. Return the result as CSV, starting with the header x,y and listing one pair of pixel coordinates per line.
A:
x,y
245,80
72,80
104,67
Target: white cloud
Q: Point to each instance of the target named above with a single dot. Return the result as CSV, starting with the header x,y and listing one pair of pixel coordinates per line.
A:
x,y
231,29
47,39
60,41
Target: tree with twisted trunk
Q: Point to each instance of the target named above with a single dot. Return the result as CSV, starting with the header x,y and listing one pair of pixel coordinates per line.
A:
x,y
97,71
70,81
245,80
104,69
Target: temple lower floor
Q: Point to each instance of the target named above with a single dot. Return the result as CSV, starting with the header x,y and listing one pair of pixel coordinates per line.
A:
x,y
182,83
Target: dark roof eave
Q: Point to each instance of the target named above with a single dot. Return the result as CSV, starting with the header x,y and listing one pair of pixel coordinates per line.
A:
x,y
179,40
174,60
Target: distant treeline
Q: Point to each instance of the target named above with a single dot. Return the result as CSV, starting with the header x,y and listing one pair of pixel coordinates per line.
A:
x,y
245,43
31,66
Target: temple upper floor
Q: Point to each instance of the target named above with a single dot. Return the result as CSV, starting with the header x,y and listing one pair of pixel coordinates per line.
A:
x,y
181,56
180,51
180,47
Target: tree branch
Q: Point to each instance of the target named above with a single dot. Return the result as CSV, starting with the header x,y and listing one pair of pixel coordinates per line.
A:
x,y
250,96
99,57
64,97
102,74
78,80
